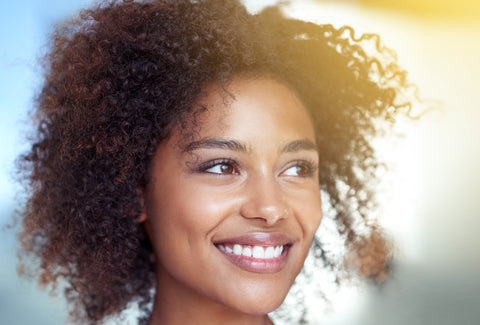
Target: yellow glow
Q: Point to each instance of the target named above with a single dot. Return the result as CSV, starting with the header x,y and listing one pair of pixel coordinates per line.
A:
x,y
428,8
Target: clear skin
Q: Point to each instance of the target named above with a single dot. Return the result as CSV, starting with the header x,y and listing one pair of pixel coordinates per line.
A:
x,y
201,191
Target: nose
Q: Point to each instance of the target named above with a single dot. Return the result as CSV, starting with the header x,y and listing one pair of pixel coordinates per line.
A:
x,y
265,201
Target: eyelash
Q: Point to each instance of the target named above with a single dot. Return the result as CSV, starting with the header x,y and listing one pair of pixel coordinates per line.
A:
x,y
310,167
204,167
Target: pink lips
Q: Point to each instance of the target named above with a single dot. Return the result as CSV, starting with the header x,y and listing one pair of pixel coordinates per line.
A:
x,y
258,265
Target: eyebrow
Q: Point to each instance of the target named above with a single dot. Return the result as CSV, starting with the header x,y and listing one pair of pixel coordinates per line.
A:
x,y
234,145
216,144
299,145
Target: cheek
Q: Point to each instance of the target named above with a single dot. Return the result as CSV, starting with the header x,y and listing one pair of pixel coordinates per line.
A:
x,y
185,215
308,211
315,214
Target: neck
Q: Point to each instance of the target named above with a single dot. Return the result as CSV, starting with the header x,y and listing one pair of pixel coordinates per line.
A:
x,y
178,305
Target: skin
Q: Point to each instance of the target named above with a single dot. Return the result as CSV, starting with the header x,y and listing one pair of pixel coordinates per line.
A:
x,y
202,191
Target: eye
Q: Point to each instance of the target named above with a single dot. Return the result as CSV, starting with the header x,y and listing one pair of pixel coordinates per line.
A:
x,y
301,169
220,167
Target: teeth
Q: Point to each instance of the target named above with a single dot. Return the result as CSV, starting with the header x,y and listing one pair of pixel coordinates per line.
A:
x,y
237,249
255,251
269,252
247,251
259,252
278,251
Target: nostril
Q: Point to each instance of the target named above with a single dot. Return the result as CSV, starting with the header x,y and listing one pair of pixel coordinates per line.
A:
x,y
273,214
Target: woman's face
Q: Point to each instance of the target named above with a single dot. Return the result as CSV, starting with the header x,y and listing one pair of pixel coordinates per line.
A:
x,y
232,209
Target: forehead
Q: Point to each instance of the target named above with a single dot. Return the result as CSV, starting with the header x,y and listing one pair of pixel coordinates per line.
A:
x,y
249,108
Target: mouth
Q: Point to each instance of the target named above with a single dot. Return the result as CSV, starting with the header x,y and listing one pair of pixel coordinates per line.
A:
x,y
258,253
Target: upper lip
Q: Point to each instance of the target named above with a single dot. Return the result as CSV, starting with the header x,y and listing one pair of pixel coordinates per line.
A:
x,y
259,239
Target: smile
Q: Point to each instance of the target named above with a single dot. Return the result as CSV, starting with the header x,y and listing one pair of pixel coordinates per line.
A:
x,y
260,252
257,252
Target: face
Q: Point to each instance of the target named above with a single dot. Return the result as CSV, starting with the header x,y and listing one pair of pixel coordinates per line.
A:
x,y
232,210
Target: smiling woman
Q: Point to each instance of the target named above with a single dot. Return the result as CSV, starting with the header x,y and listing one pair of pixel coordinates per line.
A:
x,y
181,152
232,218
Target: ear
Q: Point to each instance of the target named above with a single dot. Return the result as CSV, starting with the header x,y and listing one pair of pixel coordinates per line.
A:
x,y
143,215
143,218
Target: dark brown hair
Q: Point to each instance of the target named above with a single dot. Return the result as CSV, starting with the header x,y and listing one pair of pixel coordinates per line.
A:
x,y
120,75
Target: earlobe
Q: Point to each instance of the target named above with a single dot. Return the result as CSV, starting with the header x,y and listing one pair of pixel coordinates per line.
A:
x,y
143,216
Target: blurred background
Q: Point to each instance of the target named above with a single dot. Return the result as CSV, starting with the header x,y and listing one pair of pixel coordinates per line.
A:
x,y
430,198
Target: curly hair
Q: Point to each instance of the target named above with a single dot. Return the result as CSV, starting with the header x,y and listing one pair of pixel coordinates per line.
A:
x,y
120,75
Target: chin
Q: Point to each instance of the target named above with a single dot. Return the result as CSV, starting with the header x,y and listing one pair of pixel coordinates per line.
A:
x,y
263,309
260,304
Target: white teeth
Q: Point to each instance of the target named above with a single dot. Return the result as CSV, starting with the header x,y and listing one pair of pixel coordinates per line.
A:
x,y
258,252
247,251
255,251
278,251
269,252
237,249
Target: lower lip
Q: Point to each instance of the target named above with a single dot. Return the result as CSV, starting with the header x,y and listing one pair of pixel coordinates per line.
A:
x,y
258,265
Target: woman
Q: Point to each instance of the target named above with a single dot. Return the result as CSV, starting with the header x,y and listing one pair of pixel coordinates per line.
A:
x,y
180,154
